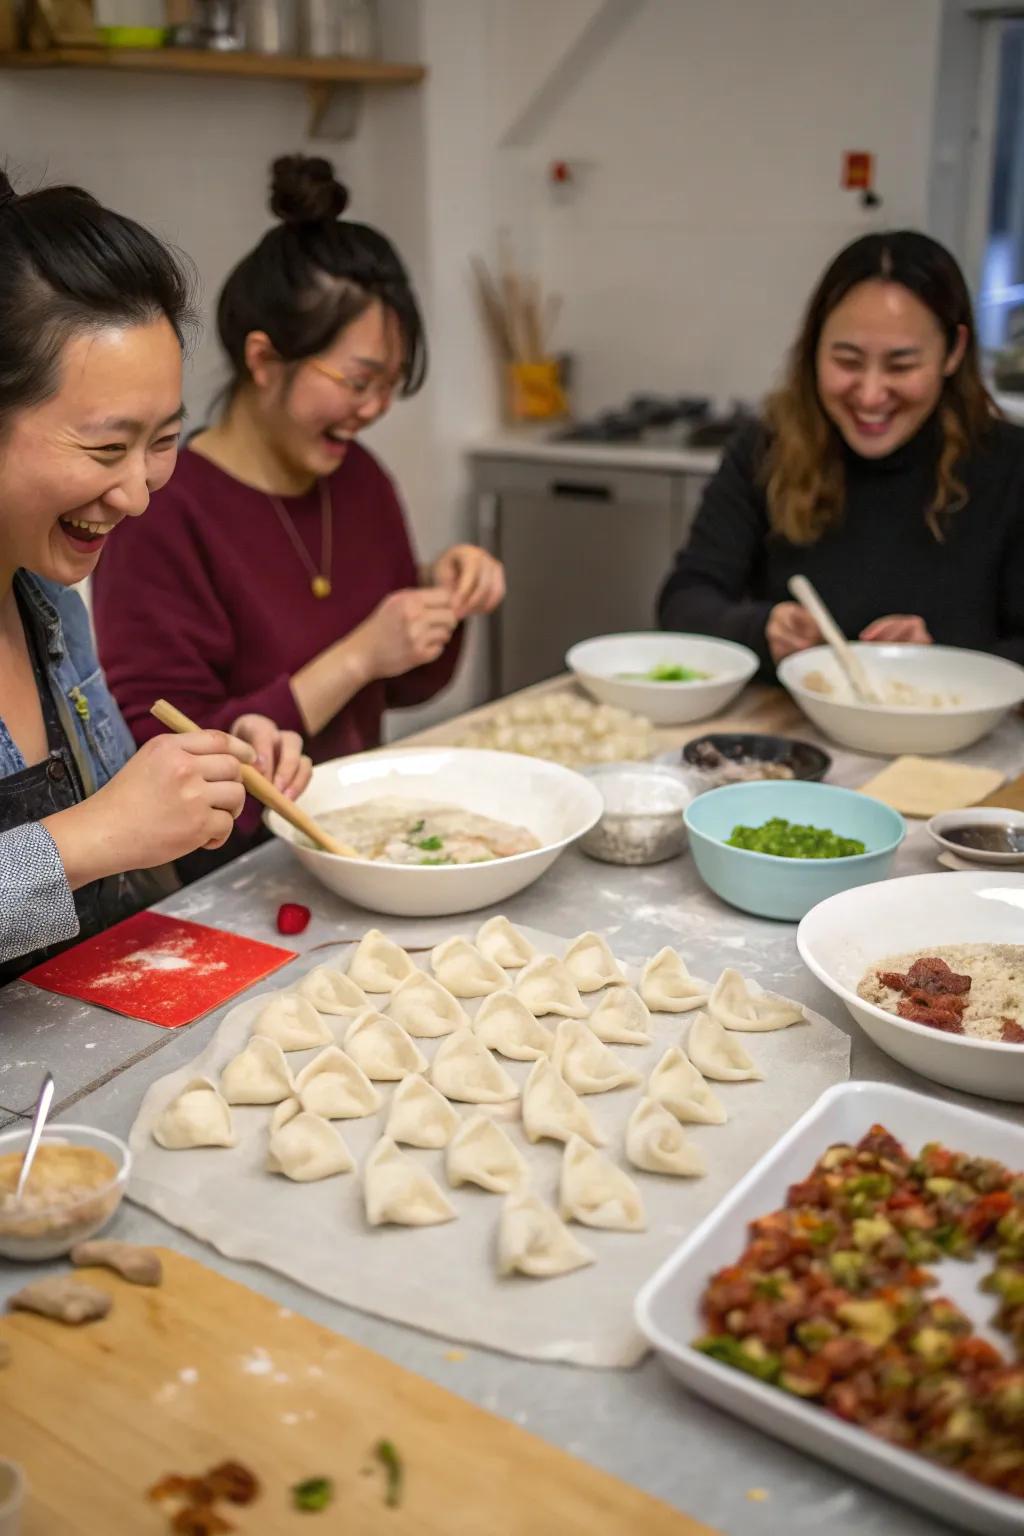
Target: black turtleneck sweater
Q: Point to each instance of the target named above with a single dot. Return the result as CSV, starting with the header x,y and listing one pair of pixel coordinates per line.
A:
x,y
881,559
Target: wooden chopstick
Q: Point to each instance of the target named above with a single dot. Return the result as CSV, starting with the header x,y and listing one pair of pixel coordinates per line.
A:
x,y
261,787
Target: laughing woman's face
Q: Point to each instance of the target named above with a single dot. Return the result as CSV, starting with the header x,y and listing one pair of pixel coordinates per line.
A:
x,y
76,465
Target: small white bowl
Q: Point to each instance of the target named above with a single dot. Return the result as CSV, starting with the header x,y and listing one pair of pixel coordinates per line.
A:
x,y
554,803
48,1232
842,937
600,663
987,687
974,816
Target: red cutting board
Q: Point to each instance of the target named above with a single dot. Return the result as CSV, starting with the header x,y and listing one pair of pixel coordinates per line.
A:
x,y
159,969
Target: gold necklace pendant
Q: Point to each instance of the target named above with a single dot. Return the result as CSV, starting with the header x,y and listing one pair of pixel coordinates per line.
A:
x,y
320,586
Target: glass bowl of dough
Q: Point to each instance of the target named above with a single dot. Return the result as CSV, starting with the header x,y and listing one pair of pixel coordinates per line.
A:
x,y
76,1184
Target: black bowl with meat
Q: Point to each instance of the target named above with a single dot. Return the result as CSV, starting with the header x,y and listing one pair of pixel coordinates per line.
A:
x,y
736,757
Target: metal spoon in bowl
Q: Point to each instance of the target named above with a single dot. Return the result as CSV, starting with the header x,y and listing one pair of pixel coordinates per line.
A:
x,y
848,659
43,1103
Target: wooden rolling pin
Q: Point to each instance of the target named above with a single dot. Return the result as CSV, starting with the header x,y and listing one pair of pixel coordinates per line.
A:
x,y
260,786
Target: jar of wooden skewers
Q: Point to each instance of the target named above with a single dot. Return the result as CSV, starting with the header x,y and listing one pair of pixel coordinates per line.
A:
x,y
520,321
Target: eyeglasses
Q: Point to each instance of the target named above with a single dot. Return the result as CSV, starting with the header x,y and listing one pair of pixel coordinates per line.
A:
x,y
362,389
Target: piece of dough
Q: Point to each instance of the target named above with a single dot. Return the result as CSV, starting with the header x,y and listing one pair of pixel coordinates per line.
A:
x,y
382,1048
500,941
591,964
666,985
736,1007
292,1022
64,1298
552,1110
621,1018
676,1084
141,1266
465,1070
307,1147
336,1087
420,1116
595,1192
465,971
196,1117
506,1025
655,1143
545,986
331,991
425,1009
397,1190
379,964
481,1153
285,1111
924,786
587,1065
534,1241
717,1053
259,1074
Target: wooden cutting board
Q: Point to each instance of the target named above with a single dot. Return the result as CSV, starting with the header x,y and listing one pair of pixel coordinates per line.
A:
x,y
201,1370
1009,796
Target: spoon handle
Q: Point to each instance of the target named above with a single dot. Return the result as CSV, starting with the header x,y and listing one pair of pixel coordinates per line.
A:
x,y
38,1122
808,598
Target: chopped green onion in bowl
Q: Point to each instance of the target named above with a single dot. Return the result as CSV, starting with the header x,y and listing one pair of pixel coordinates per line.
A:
x,y
666,672
786,840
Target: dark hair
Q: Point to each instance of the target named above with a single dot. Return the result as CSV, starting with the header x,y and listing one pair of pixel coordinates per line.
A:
x,y
804,465
313,274
69,265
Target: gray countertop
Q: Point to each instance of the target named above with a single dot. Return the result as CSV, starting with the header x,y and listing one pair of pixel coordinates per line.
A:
x,y
637,1424
535,443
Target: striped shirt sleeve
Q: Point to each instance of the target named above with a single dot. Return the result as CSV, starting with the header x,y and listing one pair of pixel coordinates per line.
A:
x,y
36,904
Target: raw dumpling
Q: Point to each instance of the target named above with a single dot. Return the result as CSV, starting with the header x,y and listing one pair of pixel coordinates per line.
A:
x,y
533,1241
499,941
332,992
305,1147
552,1110
195,1117
591,964
379,964
655,1143
293,1023
481,1153
382,1048
283,1112
257,1075
597,1193
426,1009
420,1116
465,971
507,1026
622,1018
666,985
332,1085
717,1053
734,1005
546,987
676,1083
464,1069
396,1189
587,1065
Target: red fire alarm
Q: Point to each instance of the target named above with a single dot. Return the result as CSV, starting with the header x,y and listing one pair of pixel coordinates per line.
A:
x,y
858,170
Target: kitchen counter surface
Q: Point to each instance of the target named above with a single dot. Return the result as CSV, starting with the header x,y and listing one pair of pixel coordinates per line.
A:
x,y
534,443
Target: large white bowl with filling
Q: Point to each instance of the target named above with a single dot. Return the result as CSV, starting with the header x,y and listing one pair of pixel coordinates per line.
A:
x,y
601,665
984,686
554,803
843,937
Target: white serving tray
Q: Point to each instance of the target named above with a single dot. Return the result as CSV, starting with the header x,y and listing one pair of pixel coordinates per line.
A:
x,y
668,1306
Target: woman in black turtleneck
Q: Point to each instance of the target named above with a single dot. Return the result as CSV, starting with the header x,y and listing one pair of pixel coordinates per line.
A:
x,y
880,470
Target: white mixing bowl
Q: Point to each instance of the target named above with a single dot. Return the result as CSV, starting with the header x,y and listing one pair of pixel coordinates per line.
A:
x,y
986,687
600,664
554,803
845,935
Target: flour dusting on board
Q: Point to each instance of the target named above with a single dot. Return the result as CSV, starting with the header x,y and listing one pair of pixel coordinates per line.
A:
x,y
183,954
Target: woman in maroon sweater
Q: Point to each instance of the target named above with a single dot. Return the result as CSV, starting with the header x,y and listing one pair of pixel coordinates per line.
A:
x,y
274,574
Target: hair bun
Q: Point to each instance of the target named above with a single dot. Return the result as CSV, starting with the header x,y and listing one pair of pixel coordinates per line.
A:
x,y
304,191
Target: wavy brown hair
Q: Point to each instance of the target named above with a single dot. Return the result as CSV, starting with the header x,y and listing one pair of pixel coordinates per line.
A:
x,y
803,469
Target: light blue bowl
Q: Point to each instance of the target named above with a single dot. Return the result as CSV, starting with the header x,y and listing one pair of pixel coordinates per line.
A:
x,y
789,888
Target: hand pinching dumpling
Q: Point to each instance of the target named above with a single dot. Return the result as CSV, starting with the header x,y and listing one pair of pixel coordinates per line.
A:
x,y
195,1117
426,1009
546,987
292,1022
382,1048
379,964
586,1064
666,985
396,1189
591,964
305,1147
499,941
717,1053
676,1084
507,1026
552,1110
622,1018
734,1005
330,991
465,1070
259,1074
481,1153
332,1085
533,1241
465,971
597,1193
655,1143
420,1116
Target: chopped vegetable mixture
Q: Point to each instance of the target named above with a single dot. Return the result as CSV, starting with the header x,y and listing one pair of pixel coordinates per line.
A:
x,y
787,840
666,672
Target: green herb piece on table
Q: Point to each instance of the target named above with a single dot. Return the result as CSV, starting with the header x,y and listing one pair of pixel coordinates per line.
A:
x,y
313,1494
417,828
431,844
785,840
390,1460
